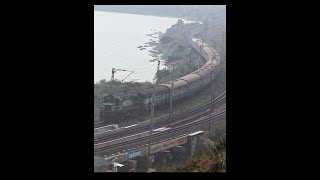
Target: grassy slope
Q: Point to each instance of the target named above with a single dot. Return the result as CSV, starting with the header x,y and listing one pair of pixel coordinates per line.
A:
x,y
212,158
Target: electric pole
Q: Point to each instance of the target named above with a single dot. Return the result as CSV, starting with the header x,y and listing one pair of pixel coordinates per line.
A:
x,y
171,96
151,123
112,76
115,70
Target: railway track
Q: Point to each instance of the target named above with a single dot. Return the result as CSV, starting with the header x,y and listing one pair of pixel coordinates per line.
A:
x,y
99,124
221,96
177,118
159,135
145,130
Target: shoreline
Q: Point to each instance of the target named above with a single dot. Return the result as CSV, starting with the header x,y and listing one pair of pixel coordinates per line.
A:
x,y
153,47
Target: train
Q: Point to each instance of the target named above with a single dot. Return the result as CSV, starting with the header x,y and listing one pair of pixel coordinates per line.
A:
x,y
183,87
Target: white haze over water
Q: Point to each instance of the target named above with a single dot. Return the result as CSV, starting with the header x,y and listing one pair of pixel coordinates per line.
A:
x,y
116,38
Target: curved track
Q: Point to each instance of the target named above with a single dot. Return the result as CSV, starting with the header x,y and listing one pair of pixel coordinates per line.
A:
x,y
190,115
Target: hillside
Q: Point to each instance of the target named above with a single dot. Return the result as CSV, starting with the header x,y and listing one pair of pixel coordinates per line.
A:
x,y
212,158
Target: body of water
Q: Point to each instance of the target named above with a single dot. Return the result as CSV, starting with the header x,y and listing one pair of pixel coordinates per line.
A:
x,y
117,37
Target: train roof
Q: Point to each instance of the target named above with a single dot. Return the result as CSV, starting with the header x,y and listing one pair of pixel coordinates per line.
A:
x,y
208,50
191,77
176,83
202,72
180,82
149,91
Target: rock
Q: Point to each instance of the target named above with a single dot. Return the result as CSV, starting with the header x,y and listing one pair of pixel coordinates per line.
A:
x,y
155,52
153,43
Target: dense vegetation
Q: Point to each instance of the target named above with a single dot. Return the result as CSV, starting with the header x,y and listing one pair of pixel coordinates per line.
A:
x,y
178,53
112,87
212,158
